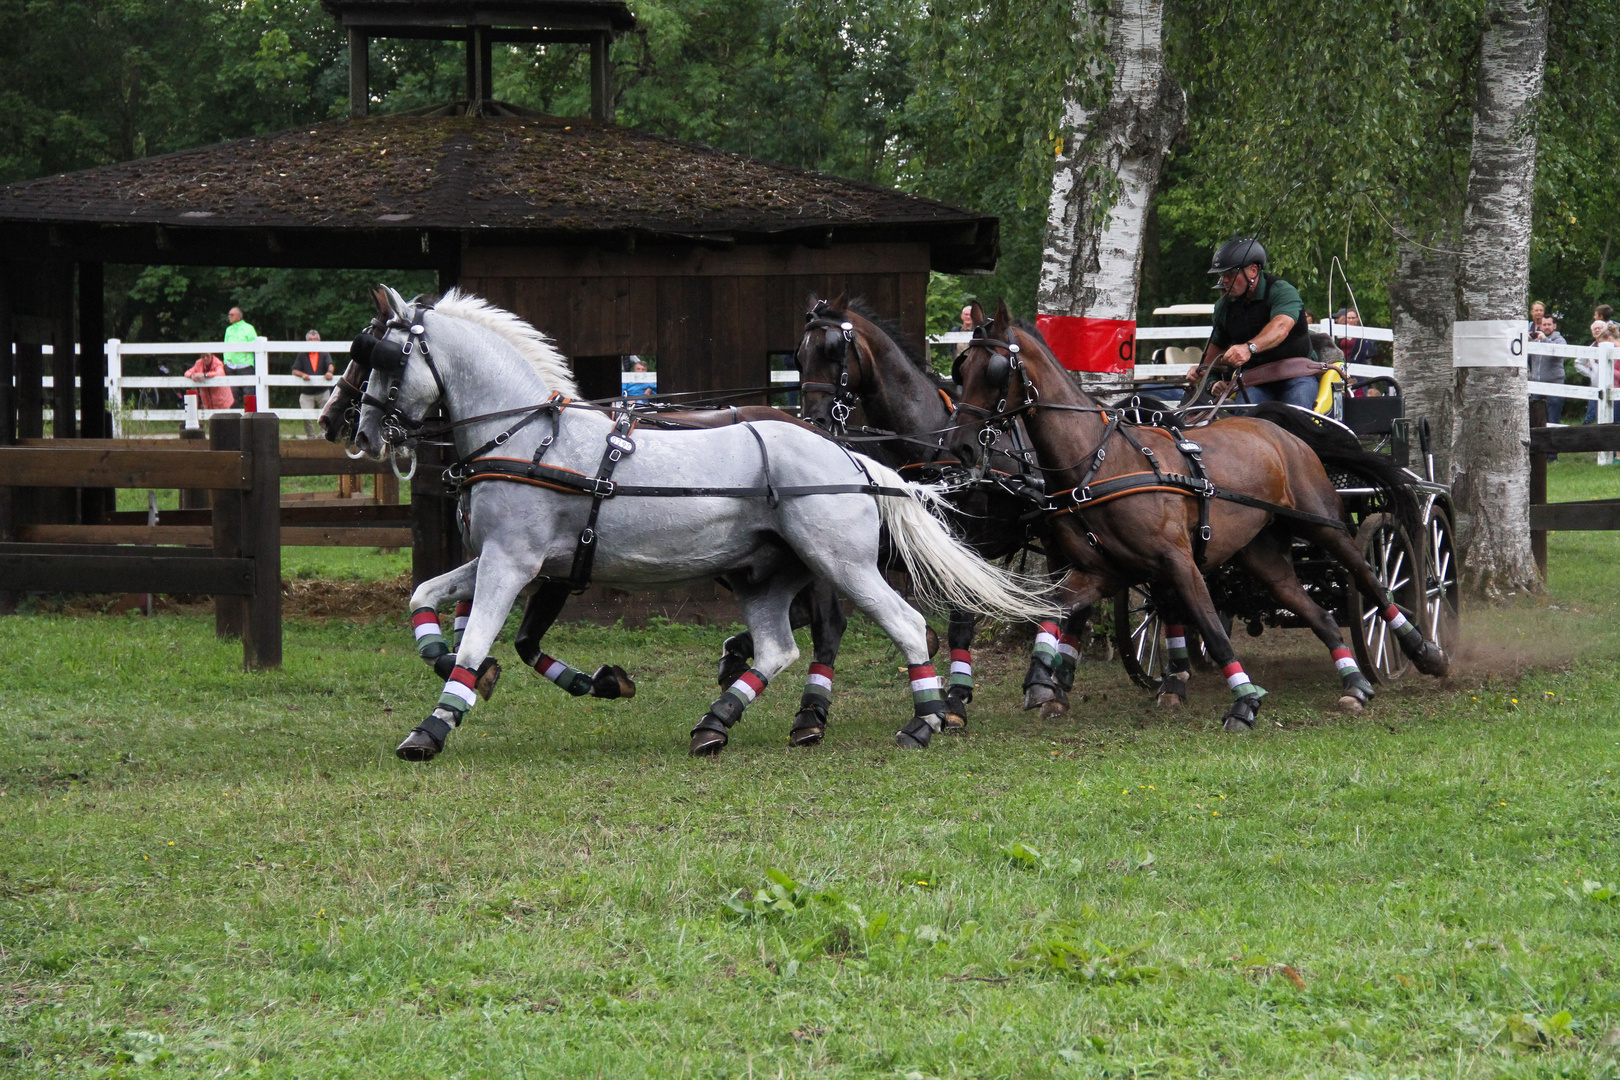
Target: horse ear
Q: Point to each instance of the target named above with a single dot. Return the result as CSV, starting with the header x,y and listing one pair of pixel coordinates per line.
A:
x,y
1003,316
380,295
976,313
839,302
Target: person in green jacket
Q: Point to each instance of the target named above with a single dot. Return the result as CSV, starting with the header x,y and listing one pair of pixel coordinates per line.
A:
x,y
239,363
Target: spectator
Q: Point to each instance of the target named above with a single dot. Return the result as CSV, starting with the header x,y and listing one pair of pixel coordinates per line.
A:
x,y
1356,350
1603,313
239,363
1602,333
308,366
967,328
1548,369
1538,311
631,387
208,366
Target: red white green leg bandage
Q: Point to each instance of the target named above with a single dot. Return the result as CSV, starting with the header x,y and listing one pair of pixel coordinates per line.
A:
x,y
463,609
728,708
817,695
1046,645
573,680
1238,680
1175,640
1411,638
457,698
961,680
430,643
1356,684
928,708
1068,647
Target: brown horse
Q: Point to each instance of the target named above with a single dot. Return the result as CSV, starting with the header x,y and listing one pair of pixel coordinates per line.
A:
x,y
1130,504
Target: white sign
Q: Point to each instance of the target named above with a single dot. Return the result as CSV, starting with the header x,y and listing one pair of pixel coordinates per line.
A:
x,y
1488,343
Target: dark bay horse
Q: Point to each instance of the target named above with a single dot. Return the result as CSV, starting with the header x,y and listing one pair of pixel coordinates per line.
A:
x,y
849,357
1125,505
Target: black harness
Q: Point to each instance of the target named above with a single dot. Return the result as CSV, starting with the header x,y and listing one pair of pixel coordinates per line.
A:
x,y
844,399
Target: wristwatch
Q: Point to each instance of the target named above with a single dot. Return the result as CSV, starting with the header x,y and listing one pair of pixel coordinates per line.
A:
x,y
1250,344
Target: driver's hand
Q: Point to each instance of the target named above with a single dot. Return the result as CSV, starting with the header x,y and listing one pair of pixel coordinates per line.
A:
x,y
1219,389
1237,355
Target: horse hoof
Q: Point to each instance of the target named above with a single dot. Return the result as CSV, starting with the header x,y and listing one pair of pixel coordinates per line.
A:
x,y
1038,695
707,743
954,724
418,746
1350,703
1170,701
1432,660
908,742
1053,709
1239,719
914,736
612,681
1237,725
489,673
806,736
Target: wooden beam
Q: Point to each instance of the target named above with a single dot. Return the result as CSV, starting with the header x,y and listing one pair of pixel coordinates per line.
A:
x,y
359,74
125,573
601,79
1562,439
225,436
337,536
186,535
1586,516
1538,482
33,467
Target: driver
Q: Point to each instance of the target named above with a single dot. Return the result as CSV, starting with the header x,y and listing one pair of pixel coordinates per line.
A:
x,y
1257,322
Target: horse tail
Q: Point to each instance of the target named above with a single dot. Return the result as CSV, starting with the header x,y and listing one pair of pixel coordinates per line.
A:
x,y
944,571
1337,448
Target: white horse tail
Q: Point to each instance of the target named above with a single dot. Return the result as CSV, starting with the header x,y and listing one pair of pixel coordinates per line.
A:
x,y
944,571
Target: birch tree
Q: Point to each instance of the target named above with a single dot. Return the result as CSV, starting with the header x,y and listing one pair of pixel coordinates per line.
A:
x,y
1423,305
1109,158
1490,466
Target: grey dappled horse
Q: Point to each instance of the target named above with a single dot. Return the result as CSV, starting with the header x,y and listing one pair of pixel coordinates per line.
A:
x,y
479,360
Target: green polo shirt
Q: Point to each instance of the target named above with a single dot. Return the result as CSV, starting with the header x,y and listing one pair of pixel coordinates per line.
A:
x,y
239,331
1237,321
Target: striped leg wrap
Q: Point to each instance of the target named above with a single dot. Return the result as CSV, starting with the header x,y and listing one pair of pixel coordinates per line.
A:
x,y
1175,640
817,690
1238,680
728,707
1046,644
463,609
1345,661
430,644
1068,648
458,696
573,680
926,703
962,672
1410,636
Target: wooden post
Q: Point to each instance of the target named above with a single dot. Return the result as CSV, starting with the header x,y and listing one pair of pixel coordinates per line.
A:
x,y
601,79
359,74
64,396
428,556
193,498
8,419
30,391
95,422
225,433
486,64
1538,487
261,541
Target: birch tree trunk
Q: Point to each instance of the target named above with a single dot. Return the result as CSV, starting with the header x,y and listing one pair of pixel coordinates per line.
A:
x,y
1490,464
1107,168
1423,299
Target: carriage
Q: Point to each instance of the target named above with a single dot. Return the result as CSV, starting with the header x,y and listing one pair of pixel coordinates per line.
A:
x,y
1419,571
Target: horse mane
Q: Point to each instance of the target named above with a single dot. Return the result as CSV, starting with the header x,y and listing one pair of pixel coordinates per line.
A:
x,y
531,344
891,326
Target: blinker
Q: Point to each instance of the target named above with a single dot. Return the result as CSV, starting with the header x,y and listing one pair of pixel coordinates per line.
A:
x,y
360,349
389,357
997,370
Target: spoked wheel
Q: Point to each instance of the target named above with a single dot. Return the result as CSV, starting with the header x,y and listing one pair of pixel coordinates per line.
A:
x,y
1442,622
1395,563
1139,637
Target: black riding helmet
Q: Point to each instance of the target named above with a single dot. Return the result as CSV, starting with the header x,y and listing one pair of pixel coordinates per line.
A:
x,y
1236,253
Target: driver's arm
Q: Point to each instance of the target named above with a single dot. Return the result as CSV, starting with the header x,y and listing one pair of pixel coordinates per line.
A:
x,y
1270,336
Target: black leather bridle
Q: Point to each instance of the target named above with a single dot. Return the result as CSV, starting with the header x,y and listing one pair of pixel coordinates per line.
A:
x,y
389,357
844,397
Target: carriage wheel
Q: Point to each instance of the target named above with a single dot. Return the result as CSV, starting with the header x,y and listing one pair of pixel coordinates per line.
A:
x,y
1442,623
1388,550
1139,637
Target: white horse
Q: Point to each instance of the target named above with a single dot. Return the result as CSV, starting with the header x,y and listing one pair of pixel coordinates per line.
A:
x,y
749,502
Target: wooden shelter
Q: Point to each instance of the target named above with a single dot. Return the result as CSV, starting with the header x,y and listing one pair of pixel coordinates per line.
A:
x,y
613,240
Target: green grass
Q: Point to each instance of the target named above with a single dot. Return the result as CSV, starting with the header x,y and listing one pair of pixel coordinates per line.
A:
x,y
210,872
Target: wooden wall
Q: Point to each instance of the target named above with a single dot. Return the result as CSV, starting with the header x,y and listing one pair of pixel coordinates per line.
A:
x,y
710,317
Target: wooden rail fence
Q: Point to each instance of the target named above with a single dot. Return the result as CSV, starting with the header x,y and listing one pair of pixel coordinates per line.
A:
x,y
241,567
1585,515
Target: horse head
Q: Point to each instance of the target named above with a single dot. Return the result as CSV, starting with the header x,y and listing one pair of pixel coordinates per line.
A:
x,y
404,381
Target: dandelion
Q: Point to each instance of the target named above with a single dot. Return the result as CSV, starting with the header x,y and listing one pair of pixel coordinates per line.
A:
x,y
171,843
1514,700
1216,813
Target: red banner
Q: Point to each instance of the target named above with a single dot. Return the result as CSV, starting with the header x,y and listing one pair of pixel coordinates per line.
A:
x,y
1086,344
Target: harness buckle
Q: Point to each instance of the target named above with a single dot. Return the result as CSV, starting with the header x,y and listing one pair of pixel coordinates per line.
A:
x,y
1209,488
1081,495
840,412
1147,451
588,536
1203,533
502,438
602,488
987,435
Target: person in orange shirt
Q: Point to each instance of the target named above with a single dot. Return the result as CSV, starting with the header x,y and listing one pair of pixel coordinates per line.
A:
x,y
209,366
314,368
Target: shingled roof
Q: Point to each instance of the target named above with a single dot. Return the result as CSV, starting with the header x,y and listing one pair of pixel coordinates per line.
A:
x,y
522,177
